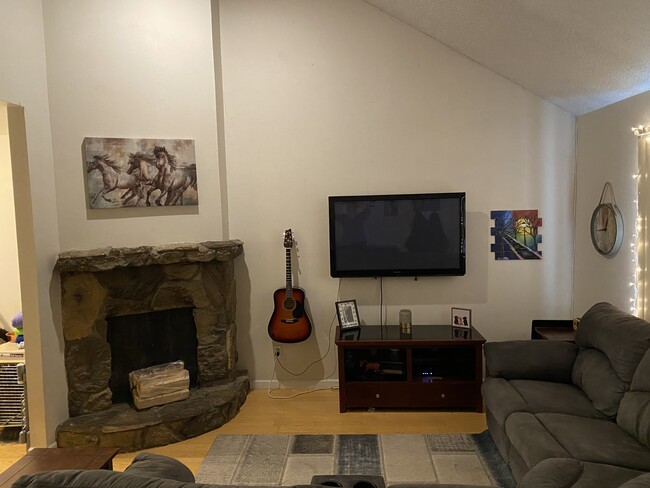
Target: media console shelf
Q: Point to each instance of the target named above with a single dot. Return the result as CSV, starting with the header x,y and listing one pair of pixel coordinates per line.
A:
x,y
425,369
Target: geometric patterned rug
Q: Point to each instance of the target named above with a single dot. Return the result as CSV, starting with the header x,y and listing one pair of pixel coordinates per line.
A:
x,y
274,460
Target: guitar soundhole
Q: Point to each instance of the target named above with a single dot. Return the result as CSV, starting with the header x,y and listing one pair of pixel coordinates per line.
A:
x,y
289,304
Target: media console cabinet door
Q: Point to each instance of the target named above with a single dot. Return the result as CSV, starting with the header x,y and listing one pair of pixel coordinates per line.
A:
x,y
376,395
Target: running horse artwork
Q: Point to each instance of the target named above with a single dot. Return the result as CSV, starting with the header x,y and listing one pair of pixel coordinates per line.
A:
x,y
174,179
143,165
114,178
160,172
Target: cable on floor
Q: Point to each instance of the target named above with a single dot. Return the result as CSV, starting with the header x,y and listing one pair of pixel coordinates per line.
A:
x,y
278,362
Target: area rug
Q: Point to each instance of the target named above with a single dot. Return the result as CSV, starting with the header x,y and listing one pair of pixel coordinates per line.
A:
x,y
283,460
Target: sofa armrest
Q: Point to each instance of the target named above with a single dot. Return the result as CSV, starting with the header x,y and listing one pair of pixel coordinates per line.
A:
x,y
531,360
432,485
159,466
553,473
571,473
642,481
95,478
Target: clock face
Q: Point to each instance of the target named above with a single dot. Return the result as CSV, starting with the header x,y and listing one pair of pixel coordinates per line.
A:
x,y
607,229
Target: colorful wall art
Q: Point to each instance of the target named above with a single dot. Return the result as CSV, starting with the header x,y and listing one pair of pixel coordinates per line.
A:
x,y
140,172
516,234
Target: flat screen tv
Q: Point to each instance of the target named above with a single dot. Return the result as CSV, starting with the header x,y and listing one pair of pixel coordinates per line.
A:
x,y
397,235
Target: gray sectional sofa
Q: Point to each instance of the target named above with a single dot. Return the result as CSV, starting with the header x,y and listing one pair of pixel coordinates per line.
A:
x,y
574,415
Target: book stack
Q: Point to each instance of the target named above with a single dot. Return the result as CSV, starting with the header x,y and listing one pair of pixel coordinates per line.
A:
x,y
160,384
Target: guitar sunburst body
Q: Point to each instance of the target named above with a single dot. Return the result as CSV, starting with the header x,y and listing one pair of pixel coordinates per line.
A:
x,y
289,321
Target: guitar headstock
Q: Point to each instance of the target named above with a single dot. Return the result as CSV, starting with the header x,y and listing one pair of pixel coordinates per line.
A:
x,y
288,239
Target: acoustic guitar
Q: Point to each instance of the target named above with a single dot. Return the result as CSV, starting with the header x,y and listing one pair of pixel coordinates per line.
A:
x,y
289,321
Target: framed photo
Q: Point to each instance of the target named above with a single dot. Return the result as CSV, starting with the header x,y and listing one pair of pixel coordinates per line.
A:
x,y
348,314
461,317
350,334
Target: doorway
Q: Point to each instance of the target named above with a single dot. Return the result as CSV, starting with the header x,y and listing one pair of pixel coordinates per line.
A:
x,y
13,408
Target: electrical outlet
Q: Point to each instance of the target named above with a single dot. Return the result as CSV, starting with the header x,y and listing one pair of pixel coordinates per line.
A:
x,y
276,351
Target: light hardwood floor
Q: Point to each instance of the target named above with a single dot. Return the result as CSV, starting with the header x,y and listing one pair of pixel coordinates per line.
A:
x,y
310,413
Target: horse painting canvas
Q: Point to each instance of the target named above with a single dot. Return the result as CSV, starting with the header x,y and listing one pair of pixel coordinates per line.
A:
x,y
140,172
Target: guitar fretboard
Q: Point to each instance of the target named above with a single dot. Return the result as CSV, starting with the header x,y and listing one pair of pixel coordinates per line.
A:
x,y
289,293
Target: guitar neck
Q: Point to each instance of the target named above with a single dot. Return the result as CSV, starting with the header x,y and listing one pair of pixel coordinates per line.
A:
x,y
289,284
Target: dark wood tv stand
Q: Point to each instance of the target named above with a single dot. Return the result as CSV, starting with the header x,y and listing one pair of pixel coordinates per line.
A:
x,y
426,369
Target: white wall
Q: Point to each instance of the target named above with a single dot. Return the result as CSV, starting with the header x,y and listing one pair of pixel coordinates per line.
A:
x,y
335,97
320,98
10,283
23,82
607,151
134,69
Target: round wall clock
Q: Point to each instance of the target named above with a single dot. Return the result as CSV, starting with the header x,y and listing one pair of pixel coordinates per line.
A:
x,y
607,229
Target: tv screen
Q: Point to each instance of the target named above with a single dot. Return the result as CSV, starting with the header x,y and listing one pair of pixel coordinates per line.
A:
x,y
397,235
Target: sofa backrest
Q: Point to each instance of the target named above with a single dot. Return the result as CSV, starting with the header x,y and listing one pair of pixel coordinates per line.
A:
x,y
634,411
611,345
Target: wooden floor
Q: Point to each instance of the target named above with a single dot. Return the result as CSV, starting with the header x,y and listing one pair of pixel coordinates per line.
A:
x,y
311,413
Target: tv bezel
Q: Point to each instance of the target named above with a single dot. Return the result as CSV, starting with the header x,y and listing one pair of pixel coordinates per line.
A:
x,y
376,273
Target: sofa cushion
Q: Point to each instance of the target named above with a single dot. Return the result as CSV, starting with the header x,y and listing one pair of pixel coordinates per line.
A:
x,y
502,399
93,478
642,481
531,439
641,379
431,485
103,478
634,412
159,466
571,473
595,440
546,396
612,343
594,374
622,337
531,360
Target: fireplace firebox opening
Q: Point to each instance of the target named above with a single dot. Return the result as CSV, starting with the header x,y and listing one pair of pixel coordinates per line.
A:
x,y
148,339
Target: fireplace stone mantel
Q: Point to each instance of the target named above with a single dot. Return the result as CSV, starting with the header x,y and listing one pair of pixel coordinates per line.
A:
x,y
108,258
99,283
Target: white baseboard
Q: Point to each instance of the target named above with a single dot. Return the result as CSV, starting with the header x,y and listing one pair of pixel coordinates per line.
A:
x,y
297,384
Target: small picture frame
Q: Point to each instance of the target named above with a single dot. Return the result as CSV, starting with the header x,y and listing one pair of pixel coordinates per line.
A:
x,y
461,317
350,334
348,314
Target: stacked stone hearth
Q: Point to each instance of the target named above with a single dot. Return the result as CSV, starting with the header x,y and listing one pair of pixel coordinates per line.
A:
x,y
119,281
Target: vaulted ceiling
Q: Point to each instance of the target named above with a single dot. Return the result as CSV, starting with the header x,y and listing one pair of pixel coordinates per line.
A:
x,y
580,55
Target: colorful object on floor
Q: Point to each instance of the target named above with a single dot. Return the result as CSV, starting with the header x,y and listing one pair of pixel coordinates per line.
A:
x,y
17,324
516,235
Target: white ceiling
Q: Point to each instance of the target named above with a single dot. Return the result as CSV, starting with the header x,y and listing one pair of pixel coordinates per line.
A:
x,y
580,55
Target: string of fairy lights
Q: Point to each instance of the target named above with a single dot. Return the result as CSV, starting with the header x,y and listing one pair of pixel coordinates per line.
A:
x,y
639,237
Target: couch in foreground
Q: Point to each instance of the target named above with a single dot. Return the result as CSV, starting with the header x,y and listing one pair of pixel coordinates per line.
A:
x,y
150,470
574,415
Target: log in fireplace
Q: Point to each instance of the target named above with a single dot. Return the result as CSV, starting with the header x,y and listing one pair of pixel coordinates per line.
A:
x,y
149,339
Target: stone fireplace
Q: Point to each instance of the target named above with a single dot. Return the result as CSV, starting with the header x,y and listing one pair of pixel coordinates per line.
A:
x,y
100,284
